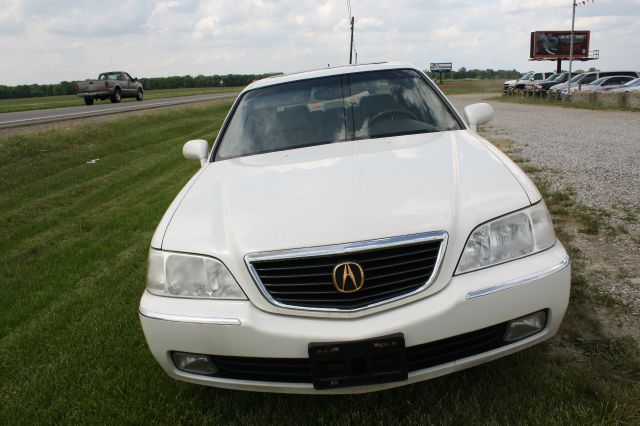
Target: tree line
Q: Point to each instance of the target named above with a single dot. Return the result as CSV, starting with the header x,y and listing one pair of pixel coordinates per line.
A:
x,y
149,83
227,80
488,74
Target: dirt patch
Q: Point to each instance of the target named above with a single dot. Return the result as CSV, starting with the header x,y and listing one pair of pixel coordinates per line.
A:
x,y
604,245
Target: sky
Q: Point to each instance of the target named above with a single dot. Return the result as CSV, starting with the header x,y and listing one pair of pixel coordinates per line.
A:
x,y
55,40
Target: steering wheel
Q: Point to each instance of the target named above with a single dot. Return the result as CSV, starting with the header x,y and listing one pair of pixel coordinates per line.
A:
x,y
391,112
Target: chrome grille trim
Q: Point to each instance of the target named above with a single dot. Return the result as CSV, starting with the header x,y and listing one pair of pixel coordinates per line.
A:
x,y
338,249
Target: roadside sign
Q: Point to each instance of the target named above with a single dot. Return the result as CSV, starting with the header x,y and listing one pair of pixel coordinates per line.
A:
x,y
441,67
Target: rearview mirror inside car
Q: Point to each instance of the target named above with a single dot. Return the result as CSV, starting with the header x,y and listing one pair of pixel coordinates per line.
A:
x,y
197,149
478,114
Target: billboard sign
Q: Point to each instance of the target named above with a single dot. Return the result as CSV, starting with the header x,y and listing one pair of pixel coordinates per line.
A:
x,y
557,44
441,67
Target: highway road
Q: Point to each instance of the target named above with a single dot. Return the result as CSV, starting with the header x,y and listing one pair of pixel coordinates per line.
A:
x,y
28,118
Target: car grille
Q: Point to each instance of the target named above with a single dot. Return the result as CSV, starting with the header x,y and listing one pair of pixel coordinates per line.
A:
x,y
389,273
298,370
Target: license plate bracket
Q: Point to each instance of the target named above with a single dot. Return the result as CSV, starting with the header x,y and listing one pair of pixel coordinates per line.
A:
x,y
358,363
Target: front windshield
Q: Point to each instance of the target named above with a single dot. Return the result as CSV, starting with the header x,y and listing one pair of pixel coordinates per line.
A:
x,y
391,103
333,109
527,76
632,83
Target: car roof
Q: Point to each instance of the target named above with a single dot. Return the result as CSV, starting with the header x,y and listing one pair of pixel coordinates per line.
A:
x,y
607,72
609,77
327,72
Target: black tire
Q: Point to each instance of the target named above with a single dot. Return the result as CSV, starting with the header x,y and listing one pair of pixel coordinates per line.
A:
x,y
88,101
117,96
140,95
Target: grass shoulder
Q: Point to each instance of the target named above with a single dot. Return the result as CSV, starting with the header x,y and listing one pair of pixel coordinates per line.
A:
x,y
469,86
51,102
74,247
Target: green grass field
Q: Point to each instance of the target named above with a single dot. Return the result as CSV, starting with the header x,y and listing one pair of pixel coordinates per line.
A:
x,y
450,87
49,102
74,243
470,85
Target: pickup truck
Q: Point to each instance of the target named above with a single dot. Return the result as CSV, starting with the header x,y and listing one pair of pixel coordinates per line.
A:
x,y
517,86
113,85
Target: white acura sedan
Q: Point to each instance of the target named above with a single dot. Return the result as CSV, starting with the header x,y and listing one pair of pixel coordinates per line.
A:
x,y
349,232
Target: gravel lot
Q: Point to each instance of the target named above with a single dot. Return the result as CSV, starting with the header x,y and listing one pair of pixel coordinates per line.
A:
x,y
597,153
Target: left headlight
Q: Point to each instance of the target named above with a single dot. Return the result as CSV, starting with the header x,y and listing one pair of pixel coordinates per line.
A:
x,y
506,238
188,275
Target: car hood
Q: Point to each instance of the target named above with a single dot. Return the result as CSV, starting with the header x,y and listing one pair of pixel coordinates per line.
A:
x,y
343,192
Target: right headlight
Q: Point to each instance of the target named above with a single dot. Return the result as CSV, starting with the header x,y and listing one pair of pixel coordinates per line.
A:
x,y
506,238
188,275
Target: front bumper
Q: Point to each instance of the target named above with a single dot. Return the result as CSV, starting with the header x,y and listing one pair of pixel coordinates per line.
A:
x,y
469,302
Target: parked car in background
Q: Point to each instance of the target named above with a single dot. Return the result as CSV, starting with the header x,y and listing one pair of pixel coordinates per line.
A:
x,y
113,85
544,85
603,84
630,86
587,78
510,85
349,232
529,78
532,87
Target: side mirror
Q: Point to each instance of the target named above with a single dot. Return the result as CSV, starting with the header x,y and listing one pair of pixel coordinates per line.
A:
x,y
197,149
478,114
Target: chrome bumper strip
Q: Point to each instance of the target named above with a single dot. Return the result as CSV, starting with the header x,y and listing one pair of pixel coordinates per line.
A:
x,y
188,319
519,281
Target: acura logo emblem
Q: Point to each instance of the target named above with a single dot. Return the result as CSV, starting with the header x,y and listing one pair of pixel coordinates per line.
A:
x,y
348,277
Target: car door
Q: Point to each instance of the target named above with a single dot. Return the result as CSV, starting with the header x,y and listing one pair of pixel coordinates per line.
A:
x,y
125,84
131,85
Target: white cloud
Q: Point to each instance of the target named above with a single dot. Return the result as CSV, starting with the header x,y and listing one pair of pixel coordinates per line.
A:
x,y
514,6
11,21
370,22
75,39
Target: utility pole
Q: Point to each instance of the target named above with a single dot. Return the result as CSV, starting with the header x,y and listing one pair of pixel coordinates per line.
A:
x,y
351,46
573,21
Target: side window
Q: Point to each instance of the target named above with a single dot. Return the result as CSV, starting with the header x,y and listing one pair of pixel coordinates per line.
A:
x,y
588,79
537,76
617,80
